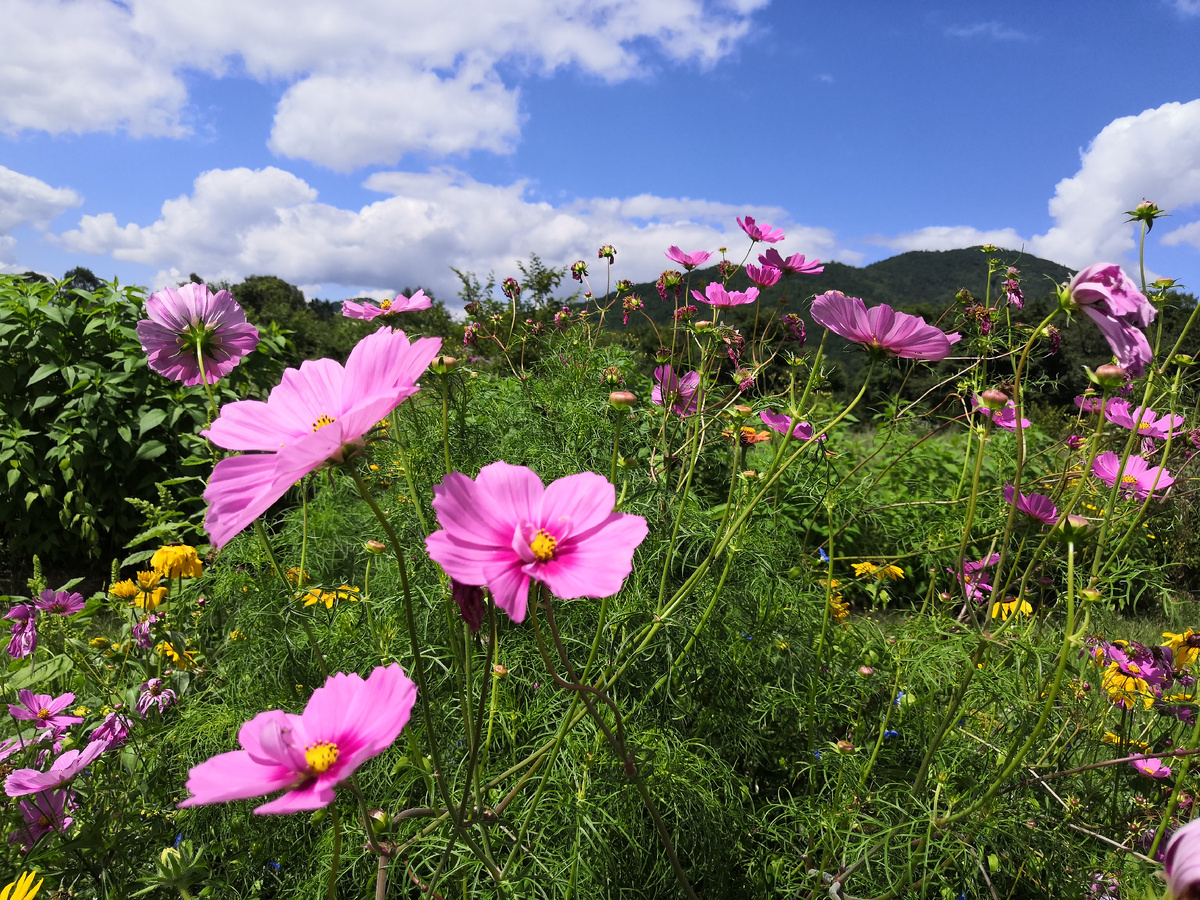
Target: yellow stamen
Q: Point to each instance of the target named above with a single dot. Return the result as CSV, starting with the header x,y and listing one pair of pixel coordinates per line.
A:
x,y
44,714
1128,479
386,304
543,545
1143,426
321,755
322,421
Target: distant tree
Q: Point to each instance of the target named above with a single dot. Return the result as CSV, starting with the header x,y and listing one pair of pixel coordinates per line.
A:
x,y
81,279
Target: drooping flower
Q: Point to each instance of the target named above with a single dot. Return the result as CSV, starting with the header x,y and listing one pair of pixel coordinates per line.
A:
x,y
1142,419
317,414
155,693
24,628
61,771
579,270
369,311
148,595
191,320
469,598
177,561
791,265
1012,291
882,328
680,392
23,888
1110,299
785,424
143,630
716,295
1138,478
43,710
505,528
113,731
1009,607
184,660
44,813
1088,404
1184,647
1005,418
688,260
764,277
794,326
669,282
60,602
768,234
346,722
1038,507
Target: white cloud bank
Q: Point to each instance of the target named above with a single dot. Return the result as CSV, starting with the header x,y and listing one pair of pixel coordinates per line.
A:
x,y
25,200
241,221
368,81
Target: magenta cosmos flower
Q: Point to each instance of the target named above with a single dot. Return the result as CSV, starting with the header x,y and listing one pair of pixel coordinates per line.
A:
x,y
791,265
505,528
1038,507
1005,418
679,392
882,328
317,414
1182,862
369,311
43,710
60,602
971,576
764,277
191,321
44,813
1142,419
716,295
768,234
24,628
785,424
1138,478
62,770
1110,299
688,260
346,722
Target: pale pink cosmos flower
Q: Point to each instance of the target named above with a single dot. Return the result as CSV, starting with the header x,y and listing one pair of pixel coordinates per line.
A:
x,y
43,710
768,234
1138,478
716,295
346,722
1142,419
62,770
688,260
785,424
1152,767
1005,418
680,392
1182,862
791,265
505,528
1038,507
189,320
1110,299
24,630
317,414
764,277
369,311
43,813
882,328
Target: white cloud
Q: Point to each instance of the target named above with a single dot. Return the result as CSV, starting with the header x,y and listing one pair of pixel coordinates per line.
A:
x,y
997,31
25,200
949,237
1154,155
237,222
1186,8
368,81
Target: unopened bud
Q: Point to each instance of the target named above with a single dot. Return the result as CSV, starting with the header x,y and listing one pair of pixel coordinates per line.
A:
x,y
1107,377
376,546
1073,529
994,399
845,747
499,671
702,325
866,671
622,399
1091,595
443,364
742,410
662,354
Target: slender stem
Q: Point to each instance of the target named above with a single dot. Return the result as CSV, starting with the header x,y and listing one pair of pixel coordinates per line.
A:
x,y
445,378
612,471
212,401
331,889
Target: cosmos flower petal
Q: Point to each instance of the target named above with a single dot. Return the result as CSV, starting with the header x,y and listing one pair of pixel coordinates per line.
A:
x,y
585,500
234,776
316,794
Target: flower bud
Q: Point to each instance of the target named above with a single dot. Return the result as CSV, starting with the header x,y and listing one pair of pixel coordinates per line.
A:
x,y
994,399
1074,529
622,399
612,375
702,325
866,671
1108,377
499,671
1091,595
742,410
845,747
376,546
443,364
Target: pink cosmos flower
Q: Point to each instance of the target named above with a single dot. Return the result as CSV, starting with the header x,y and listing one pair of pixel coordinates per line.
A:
x,y
143,631
792,265
1152,767
1138,478
1087,404
43,710
785,424
1037,506
369,311
970,578
882,328
764,277
681,392
155,693
766,233
189,320
716,295
688,260
43,813
24,629
64,768
506,528
113,731
317,414
1182,861
1005,418
1142,419
1110,299
60,602
346,722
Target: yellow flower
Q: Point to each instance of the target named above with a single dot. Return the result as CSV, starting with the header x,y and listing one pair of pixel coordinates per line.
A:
x,y
1184,647
1124,689
295,576
236,635
80,711
148,594
23,888
314,596
891,572
1004,610
177,561
124,589
184,661
99,642
1110,738
865,568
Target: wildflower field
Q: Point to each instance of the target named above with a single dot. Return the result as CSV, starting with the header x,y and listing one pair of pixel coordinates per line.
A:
x,y
674,592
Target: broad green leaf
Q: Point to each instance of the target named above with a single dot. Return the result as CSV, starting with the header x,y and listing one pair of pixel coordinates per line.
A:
x,y
45,670
45,370
151,450
152,418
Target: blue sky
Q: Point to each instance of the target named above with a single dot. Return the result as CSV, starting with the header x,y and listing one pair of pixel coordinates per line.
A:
x,y
365,147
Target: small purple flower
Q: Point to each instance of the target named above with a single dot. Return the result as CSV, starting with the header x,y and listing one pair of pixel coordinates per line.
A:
x,y
785,424
1112,301
44,813
114,730
579,270
669,282
143,631
155,692
190,322
510,288
688,260
60,602
1012,290
24,630
66,767
679,392
43,710
684,313
768,234
1038,507
1005,418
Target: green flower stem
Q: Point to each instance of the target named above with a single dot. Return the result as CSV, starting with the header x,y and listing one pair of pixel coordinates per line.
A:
x,y
312,638
1179,341
212,400
407,463
612,471
331,888
813,375
887,718
1173,803
969,517
444,378
956,699
812,683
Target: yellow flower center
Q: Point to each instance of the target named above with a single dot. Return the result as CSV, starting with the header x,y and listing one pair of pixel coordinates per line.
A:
x,y
1133,667
44,714
1128,479
386,304
321,755
322,421
1143,426
543,545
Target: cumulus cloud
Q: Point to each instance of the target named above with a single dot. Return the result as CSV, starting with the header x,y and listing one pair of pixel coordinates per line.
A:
x,y
241,221
1154,155
949,237
368,82
25,200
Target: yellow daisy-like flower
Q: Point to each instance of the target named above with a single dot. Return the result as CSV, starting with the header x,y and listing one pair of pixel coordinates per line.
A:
x,y
177,561
184,661
295,576
148,594
1110,738
80,711
1184,647
1125,690
99,643
23,888
892,573
865,568
1012,607
345,592
838,608
125,590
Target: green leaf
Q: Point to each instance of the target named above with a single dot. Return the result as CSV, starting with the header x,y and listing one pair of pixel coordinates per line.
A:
x,y
54,667
152,418
151,450
45,370
126,433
